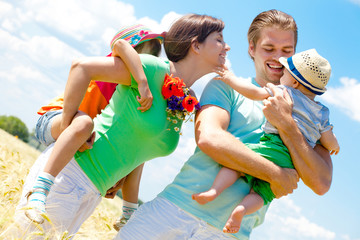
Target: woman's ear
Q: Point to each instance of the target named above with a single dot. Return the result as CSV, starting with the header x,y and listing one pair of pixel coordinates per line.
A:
x,y
195,46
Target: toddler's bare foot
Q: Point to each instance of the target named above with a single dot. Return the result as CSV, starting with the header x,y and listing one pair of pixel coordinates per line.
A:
x,y
234,222
205,197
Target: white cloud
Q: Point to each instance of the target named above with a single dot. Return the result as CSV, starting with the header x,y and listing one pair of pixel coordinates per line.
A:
x,y
286,217
303,227
357,2
347,93
50,51
169,19
79,19
5,8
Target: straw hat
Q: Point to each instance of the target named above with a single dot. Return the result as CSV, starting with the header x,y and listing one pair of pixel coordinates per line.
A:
x,y
310,69
135,35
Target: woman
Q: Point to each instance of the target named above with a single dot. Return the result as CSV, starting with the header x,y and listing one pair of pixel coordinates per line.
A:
x,y
125,137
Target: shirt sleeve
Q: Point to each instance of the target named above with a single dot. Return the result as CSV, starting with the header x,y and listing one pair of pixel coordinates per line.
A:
x,y
219,94
325,123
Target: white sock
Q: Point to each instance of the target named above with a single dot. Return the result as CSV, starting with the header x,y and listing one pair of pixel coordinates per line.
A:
x,y
41,189
129,208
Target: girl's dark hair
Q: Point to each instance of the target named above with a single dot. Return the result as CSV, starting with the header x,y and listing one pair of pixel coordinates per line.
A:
x,y
184,31
152,47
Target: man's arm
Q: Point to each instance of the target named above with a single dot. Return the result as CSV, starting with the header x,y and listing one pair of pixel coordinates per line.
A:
x,y
314,165
214,140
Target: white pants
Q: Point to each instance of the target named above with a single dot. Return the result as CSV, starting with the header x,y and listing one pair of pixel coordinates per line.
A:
x,y
72,198
160,219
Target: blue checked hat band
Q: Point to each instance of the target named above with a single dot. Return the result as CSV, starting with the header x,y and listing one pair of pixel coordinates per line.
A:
x,y
293,71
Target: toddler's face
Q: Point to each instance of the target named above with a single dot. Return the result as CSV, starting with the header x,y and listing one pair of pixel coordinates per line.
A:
x,y
287,79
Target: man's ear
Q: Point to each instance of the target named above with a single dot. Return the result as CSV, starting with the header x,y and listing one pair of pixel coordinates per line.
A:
x,y
251,49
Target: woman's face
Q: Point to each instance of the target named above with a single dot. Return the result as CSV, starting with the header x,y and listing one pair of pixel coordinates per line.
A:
x,y
213,50
272,44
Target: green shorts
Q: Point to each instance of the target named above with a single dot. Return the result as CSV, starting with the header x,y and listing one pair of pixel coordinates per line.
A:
x,y
272,148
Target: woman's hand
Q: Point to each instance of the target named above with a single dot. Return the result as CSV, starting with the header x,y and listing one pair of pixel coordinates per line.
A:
x,y
111,193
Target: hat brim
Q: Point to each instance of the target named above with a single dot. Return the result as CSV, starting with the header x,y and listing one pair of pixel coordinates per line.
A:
x,y
151,36
285,63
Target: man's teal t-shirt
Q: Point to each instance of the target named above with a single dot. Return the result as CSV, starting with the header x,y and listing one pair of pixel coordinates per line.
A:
x,y
127,137
199,172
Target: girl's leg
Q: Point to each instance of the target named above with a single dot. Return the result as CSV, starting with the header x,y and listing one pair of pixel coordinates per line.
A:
x,y
250,204
130,193
68,142
224,179
64,149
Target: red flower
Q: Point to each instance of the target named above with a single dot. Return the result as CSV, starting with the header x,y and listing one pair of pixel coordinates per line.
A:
x,y
172,86
189,103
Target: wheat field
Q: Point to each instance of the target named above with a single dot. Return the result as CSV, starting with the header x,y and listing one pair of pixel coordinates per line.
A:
x,y
16,158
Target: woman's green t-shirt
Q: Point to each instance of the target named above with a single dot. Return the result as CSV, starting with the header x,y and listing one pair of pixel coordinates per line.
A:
x,y
127,137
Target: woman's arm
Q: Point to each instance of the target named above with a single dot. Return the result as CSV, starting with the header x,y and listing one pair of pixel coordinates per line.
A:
x,y
214,140
314,165
82,71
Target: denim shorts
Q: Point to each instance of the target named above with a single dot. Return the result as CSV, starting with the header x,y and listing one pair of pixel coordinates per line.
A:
x,y
43,127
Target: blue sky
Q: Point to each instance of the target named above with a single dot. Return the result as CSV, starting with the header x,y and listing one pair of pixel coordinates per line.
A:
x,y
38,40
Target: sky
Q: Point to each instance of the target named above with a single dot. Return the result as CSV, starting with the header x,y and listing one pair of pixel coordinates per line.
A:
x,y
40,38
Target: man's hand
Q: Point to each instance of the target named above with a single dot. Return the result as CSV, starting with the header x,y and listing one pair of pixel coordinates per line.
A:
x,y
88,144
279,107
286,184
111,193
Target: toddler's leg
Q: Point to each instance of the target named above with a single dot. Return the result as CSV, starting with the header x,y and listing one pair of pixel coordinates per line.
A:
x,y
65,148
130,192
224,179
250,204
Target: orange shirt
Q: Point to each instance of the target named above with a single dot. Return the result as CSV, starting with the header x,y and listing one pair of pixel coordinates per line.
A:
x,y
96,99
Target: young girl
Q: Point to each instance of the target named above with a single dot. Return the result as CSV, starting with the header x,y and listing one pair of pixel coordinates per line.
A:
x,y
305,76
126,44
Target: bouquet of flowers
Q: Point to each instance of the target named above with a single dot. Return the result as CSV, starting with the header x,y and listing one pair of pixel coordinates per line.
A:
x,y
180,103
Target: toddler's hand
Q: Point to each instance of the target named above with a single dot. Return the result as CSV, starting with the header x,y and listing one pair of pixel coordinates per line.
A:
x,y
335,150
224,74
145,98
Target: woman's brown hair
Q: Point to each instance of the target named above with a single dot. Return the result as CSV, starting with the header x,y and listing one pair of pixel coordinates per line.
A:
x,y
184,31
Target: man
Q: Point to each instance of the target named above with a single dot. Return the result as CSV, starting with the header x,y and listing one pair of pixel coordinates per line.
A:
x,y
225,122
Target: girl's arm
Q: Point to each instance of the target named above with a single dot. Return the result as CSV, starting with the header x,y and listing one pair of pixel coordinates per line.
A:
x,y
132,60
243,87
103,69
329,141
314,165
